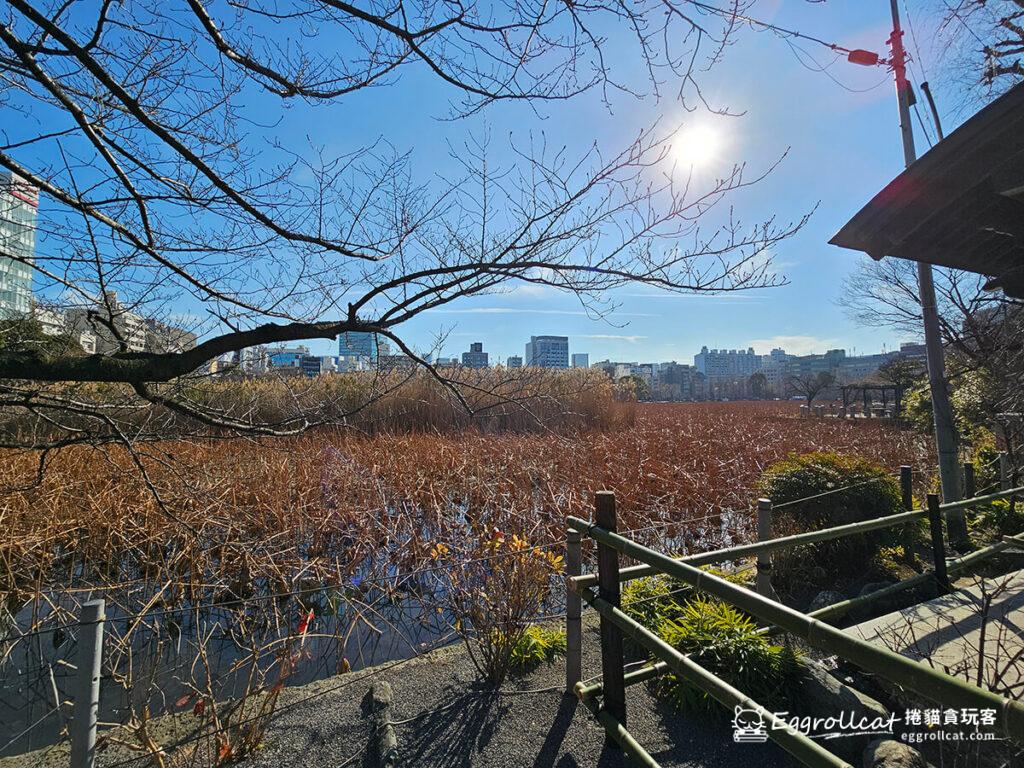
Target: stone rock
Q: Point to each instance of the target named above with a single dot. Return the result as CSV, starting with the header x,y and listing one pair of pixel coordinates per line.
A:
x,y
819,694
874,586
825,598
889,753
381,695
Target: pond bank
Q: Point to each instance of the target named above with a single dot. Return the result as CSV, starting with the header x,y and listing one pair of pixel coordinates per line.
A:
x,y
443,719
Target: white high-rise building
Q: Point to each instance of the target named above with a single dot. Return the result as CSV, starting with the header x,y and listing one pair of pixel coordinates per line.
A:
x,y
547,352
19,204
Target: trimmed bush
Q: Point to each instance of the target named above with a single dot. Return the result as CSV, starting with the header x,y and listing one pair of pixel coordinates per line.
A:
x,y
848,490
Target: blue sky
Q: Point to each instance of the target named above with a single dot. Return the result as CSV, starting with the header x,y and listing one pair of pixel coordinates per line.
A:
x,y
843,143
837,122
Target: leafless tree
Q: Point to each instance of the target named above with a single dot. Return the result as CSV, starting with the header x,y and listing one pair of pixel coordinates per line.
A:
x,y
145,128
982,44
981,330
810,385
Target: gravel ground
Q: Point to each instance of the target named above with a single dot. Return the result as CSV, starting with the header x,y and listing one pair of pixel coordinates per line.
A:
x,y
452,723
445,720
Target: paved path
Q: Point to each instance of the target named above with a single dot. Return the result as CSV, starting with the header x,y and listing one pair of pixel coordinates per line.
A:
x,y
973,633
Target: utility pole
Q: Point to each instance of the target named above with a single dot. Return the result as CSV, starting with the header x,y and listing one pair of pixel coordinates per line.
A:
x,y
942,410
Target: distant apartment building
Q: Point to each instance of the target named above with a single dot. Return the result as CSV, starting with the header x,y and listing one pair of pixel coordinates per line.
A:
x,y
114,327
679,382
476,357
311,365
731,363
395,362
252,361
581,360
163,337
548,352
360,346
53,323
19,205
514,361
912,350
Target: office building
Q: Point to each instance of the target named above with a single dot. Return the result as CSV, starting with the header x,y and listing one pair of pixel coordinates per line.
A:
x,y
514,361
476,357
548,352
287,357
360,345
19,204
581,360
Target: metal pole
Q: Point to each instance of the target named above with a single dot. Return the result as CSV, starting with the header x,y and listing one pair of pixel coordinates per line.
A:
x,y
573,611
612,658
87,687
938,547
942,410
764,559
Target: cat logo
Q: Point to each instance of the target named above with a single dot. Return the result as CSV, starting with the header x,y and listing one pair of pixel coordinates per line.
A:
x,y
748,726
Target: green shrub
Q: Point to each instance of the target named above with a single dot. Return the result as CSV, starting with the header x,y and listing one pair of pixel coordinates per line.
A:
x,y
654,599
537,645
1001,517
724,641
871,492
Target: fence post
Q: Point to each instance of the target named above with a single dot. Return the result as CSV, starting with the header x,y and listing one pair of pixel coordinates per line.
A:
x,y
573,611
87,685
907,487
764,559
612,659
938,547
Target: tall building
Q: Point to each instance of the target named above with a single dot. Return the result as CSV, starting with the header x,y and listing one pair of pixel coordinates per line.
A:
x,y
548,352
288,357
476,357
19,204
359,345
727,362
581,360
514,361
163,337
131,328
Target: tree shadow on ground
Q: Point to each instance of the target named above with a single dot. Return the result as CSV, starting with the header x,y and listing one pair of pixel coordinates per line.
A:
x,y
556,735
450,737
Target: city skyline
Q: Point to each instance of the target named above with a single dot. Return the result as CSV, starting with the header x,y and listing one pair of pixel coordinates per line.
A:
x,y
641,322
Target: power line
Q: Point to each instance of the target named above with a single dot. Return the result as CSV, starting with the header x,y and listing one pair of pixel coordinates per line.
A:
x,y
774,27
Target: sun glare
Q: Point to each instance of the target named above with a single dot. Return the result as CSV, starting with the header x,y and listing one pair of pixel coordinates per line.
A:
x,y
697,146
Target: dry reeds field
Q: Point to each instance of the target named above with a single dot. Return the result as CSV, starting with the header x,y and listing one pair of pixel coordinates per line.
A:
x,y
231,566
327,504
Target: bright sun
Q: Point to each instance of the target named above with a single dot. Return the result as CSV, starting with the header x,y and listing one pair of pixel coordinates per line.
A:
x,y
697,146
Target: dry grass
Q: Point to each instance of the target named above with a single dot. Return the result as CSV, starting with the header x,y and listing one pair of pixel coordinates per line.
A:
x,y
323,505
344,516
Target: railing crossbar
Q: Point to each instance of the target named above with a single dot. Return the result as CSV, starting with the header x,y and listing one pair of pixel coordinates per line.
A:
x,y
930,683
787,542
797,744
